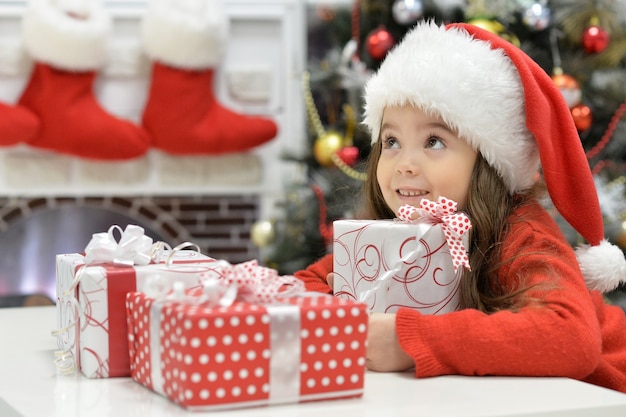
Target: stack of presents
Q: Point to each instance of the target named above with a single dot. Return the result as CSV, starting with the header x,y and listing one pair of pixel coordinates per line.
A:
x,y
211,335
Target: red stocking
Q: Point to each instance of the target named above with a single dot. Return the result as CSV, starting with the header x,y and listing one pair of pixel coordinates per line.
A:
x,y
182,113
17,124
68,46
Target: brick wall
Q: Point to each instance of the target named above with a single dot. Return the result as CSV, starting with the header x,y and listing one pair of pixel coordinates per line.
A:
x,y
219,225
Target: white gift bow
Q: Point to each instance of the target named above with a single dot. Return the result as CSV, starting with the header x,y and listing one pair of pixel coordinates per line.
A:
x,y
133,248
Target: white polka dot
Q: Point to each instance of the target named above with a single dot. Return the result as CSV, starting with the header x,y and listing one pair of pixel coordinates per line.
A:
x,y
354,345
196,377
347,363
354,378
319,332
325,348
220,393
258,372
326,381
220,357
227,340
211,341
251,389
332,364
310,383
203,359
187,324
362,328
228,375
188,359
304,367
326,314
348,329
361,361
203,323
234,321
235,356
236,391
250,320
310,315
258,337
243,373
356,312
340,312
265,318
212,376
266,353
265,388
243,338
310,349
204,394
333,331
341,346
188,394
318,366
195,342
304,333
219,322
251,355
340,380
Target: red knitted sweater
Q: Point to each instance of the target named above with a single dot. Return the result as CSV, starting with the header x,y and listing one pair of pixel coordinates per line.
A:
x,y
574,334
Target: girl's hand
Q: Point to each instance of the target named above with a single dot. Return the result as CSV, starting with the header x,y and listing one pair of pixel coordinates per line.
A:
x,y
384,353
330,279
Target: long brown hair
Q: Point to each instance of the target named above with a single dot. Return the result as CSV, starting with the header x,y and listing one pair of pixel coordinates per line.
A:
x,y
489,204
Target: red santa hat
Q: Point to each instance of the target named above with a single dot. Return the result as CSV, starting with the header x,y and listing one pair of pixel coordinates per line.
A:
x,y
508,108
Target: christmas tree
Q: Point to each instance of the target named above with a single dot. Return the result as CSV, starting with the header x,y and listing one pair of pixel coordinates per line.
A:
x,y
580,43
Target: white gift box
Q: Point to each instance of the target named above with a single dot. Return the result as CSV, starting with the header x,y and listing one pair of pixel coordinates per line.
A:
x,y
389,264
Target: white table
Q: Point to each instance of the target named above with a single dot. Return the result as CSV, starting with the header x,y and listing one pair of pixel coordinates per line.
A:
x,y
30,387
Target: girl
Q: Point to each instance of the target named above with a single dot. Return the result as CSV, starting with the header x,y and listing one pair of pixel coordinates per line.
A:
x,y
458,112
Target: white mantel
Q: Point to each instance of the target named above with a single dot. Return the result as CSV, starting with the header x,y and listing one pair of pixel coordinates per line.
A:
x,y
260,74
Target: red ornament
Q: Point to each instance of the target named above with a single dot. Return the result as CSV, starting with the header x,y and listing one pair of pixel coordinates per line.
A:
x,y
349,155
595,39
569,87
582,117
379,42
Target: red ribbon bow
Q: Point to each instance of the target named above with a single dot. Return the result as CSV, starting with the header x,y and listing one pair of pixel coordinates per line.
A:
x,y
454,225
260,284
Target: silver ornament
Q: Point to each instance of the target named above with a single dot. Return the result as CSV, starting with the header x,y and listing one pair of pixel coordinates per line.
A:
x,y
406,12
537,15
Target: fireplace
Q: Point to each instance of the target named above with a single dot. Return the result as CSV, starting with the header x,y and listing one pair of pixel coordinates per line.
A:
x,y
34,230
52,203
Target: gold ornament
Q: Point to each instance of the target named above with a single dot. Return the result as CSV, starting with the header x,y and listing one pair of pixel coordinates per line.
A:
x,y
262,233
495,27
326,146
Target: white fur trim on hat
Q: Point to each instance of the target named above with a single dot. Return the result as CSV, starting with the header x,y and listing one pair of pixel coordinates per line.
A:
x,y
185,34
67,35
603,266
475,89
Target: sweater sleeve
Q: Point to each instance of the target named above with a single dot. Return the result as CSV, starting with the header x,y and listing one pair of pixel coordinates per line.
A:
x,y
558,337
314,276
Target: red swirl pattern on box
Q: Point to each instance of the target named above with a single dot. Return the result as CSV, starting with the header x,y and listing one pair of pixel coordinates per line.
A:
x,y
392,264
221,357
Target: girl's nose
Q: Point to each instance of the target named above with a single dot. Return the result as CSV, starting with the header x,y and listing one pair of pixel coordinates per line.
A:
x,y
407,163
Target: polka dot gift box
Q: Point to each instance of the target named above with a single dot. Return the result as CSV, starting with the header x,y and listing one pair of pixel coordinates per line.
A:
x,y
389,264
206,357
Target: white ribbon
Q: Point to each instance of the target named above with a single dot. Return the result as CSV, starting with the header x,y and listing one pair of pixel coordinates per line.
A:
x,y
133,247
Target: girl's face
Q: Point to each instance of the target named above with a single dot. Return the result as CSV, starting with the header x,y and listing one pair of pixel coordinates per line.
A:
x,y
422,158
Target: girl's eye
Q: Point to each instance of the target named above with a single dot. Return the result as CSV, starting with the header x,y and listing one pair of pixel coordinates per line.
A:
x,y
390,143
434,142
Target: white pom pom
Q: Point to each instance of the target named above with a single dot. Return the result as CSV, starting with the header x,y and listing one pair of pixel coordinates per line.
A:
x,y
603,266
